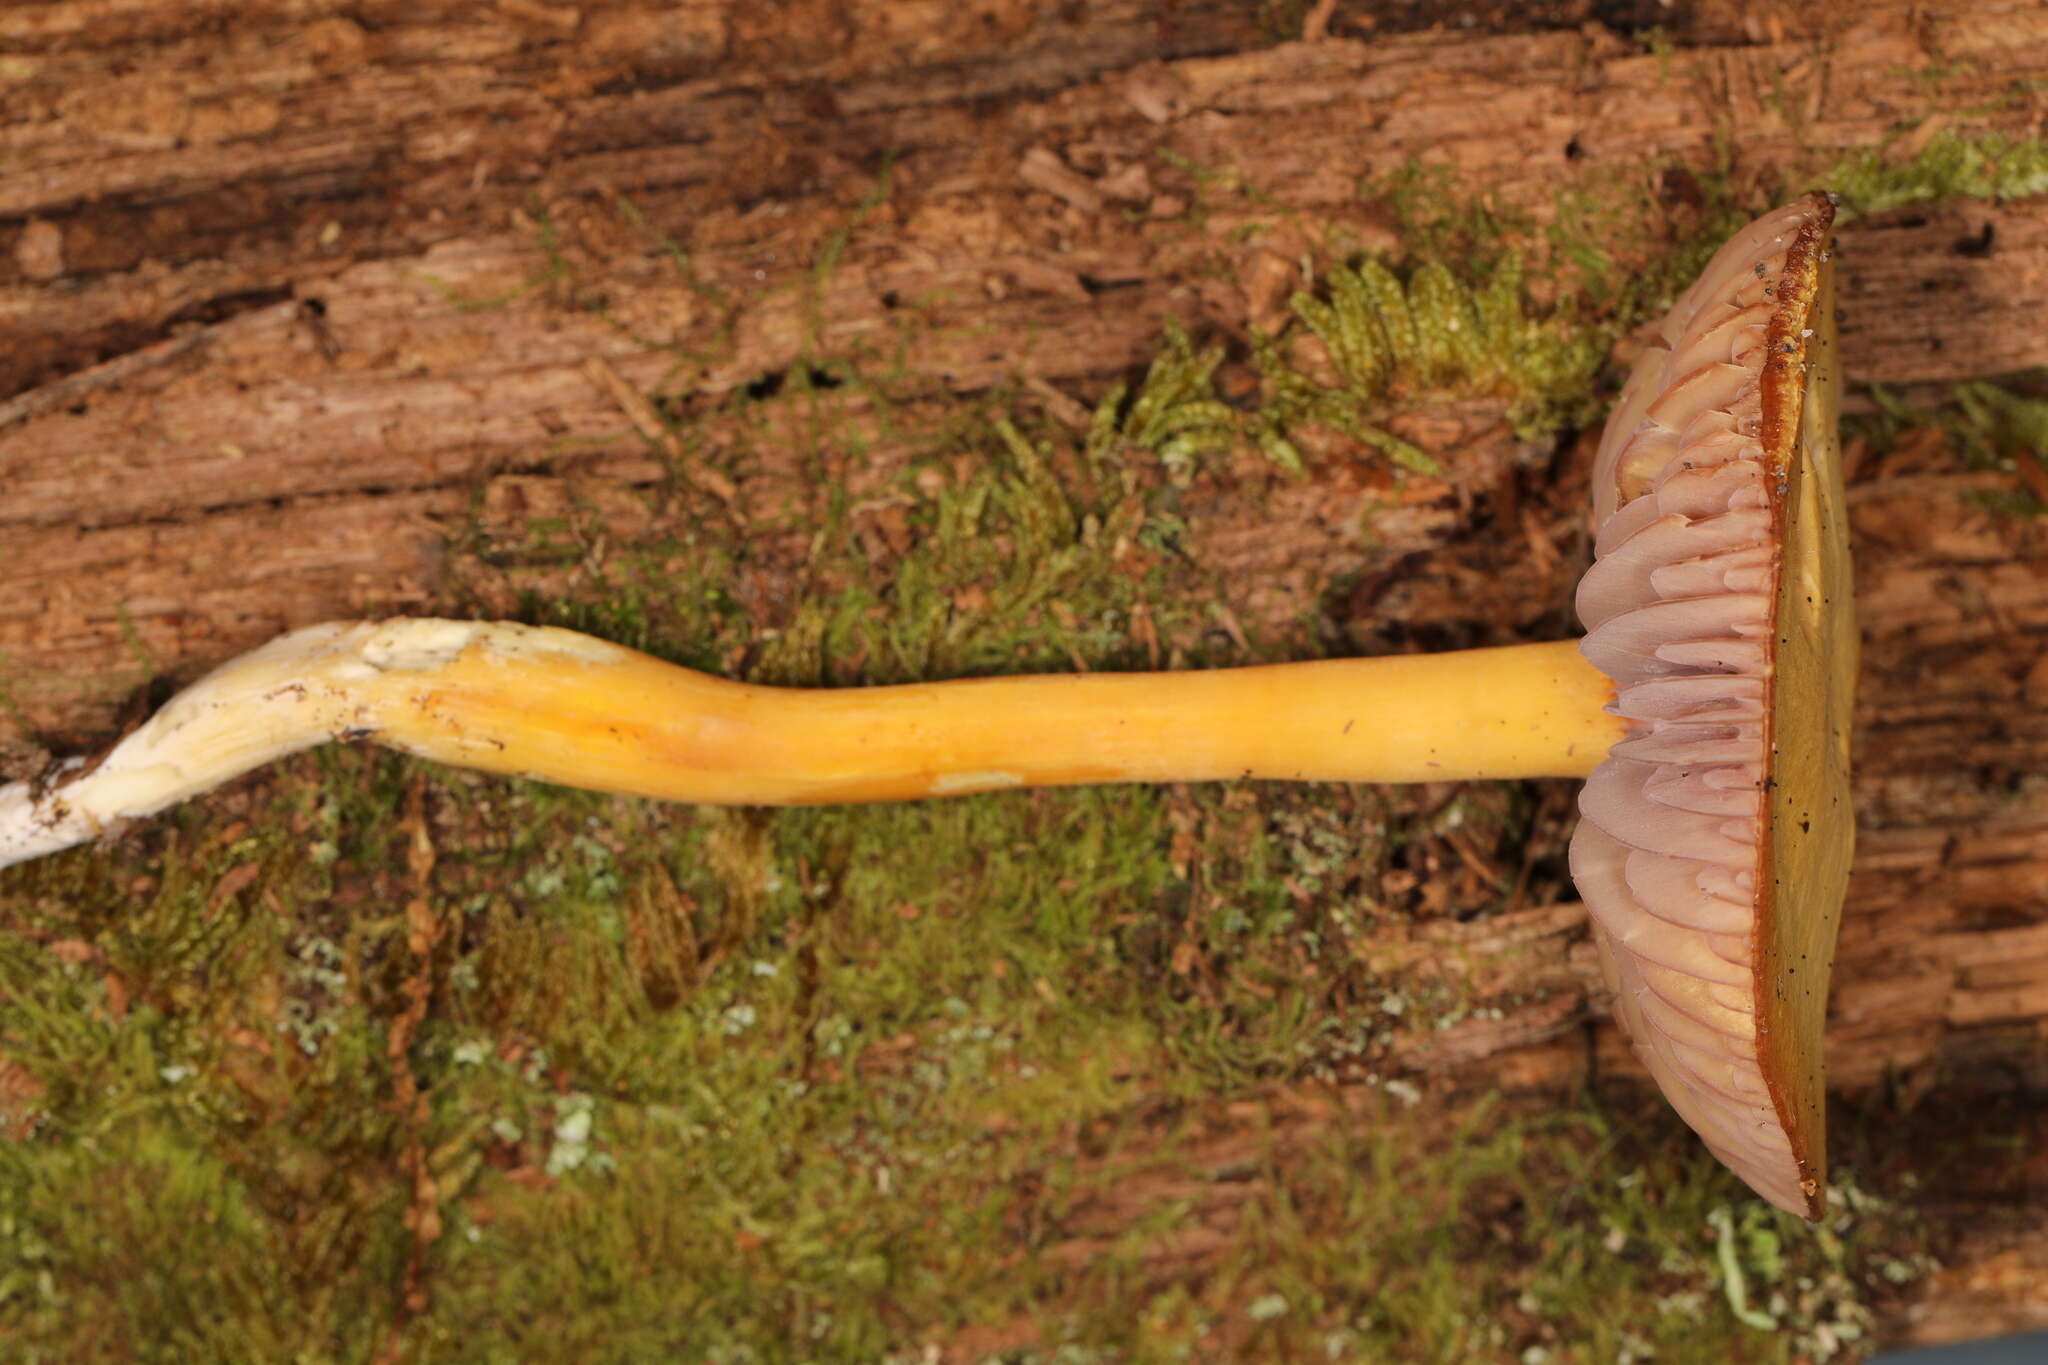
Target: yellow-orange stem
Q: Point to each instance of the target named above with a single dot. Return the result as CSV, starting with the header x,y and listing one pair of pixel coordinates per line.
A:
x,y
563,707
628,723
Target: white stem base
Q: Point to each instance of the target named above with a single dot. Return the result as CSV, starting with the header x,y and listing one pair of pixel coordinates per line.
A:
x,y
299,690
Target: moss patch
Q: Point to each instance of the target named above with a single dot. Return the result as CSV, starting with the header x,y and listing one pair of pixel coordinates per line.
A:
x,y
1950,165
816,1085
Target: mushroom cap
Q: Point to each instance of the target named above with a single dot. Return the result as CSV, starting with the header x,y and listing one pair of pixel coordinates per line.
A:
x,y
1714,847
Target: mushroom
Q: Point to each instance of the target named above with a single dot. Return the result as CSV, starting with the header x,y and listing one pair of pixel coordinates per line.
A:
x,y
1708,708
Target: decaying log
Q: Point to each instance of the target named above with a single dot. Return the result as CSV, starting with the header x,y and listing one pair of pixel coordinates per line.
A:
x,y
245,383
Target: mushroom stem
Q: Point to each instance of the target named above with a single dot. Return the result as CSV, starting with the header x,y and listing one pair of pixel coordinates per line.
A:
x,y
555,705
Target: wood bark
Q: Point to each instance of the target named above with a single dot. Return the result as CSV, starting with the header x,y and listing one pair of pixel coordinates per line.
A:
x,y
242,387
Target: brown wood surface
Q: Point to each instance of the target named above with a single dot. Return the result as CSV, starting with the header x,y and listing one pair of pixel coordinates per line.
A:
x,y
238,391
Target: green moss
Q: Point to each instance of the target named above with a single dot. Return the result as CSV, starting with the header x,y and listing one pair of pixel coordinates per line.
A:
x,y
1384,339
812,1085
199,1180
1176,414
1952,165
831,1138
1432,333
1503,1241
